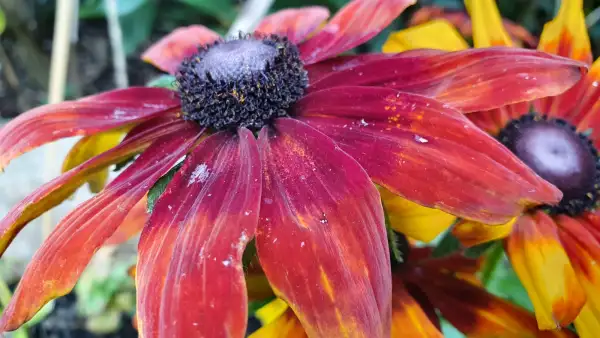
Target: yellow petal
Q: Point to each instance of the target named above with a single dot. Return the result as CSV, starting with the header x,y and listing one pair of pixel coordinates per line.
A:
x,y
567,35
436,34
537,256
488,29
415,221
471,233
89,147
588,322
272,311
281,322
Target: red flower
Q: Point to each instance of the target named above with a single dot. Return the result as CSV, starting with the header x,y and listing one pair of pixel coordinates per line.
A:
x,y
327,127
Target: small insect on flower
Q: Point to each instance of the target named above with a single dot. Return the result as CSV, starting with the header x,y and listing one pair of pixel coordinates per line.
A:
x,y
554,248
282,141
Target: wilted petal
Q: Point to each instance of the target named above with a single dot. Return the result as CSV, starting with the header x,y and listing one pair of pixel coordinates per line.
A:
x,y
321,237
471,233
132,224
295,24
58,263
415,221
477,313
54,192
537,256
436,34
426,152
89,147
408,318
168,53
189,274
354,24
488,29
469,80
83,117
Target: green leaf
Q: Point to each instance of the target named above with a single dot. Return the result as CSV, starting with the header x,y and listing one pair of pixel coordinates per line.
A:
x,y
164,81
2,21
255,305
222,10
159,187
447,245
137,26
505,283
95,9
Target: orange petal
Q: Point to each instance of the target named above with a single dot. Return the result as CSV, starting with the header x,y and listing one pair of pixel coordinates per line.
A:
x,y
295,24
416,221
435,34
479,314
58,263
567,35
168,53
537,256
492,121
88,147
408,318
132,224
488,29
471,233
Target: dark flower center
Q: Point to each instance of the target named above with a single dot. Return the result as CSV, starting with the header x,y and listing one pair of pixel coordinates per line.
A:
x,y
246,82
559,154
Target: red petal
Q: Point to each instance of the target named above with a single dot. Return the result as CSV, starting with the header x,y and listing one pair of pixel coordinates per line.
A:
x,y
492,121
60,188
426,152
189,275
97,113
131,225
58,263
470,80
321,237
295,24
357,22
168,53
319,70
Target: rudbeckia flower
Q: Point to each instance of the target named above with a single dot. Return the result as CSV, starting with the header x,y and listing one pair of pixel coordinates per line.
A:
x,y
422,287
554,249
282,143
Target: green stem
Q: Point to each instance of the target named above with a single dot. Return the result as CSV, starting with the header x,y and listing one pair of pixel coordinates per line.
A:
x,y
5,296
493,258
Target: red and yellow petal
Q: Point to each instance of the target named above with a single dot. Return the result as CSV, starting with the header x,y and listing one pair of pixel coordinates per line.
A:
x,y
470,80
435,34
408,318
321,237
567,35
426,152
94,114
492,121
586,114
190,279
471,233
58,263
539,259
168,53
488,28
54,192
294,23
354,24
415,221
132,224
477,313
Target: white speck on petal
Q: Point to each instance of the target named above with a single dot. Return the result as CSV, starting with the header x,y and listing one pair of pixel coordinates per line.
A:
x,y
200,174
302,244
119,113
363,123
268,201
421,139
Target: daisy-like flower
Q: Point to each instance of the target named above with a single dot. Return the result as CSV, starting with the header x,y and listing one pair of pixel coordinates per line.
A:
x,y
283,143
422,287
554,248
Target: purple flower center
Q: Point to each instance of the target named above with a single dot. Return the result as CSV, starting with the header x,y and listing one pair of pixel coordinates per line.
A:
x,y
559,154
246,82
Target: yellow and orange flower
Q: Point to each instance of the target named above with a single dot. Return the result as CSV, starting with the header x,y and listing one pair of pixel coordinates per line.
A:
x,y
554,249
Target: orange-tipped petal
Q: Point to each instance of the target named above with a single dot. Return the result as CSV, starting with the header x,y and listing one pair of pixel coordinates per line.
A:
x,y
567,35
83,117
469,80
539,259
168,53
286,325
479,314
408,318
357,22
471,233
295,24
58,263
54,192
415,221
190,279
132,224
436,34
492,121
89,147
488,29
426,152
321,237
